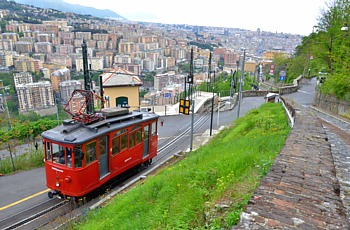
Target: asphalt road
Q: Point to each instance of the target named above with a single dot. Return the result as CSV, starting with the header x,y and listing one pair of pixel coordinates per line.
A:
x,y
24,190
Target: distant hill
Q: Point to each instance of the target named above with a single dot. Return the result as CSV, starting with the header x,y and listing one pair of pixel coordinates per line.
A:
x,y
72,8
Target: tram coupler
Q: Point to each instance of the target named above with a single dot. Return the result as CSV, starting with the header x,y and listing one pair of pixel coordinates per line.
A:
x,y
51,194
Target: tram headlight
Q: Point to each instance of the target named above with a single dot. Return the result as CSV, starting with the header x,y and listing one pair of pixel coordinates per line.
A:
x,y
57,184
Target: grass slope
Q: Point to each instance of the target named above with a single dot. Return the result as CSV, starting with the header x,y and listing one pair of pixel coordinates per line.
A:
x,y
209,188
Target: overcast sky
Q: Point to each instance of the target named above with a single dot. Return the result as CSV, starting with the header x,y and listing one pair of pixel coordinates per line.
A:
x,y
287,16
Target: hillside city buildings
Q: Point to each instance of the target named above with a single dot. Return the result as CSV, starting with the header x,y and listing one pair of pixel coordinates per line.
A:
x,y
54,48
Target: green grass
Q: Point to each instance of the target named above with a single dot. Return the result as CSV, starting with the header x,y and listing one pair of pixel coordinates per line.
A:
x,y
209,188
29,160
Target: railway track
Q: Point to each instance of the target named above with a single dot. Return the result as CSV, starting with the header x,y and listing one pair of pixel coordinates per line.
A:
x,y
33,214
55,213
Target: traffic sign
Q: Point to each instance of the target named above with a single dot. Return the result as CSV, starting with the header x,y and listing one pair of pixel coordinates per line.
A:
x,y
184,107
167,94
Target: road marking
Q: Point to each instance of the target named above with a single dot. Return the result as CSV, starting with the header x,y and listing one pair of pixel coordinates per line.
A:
x,y
303,92
24,199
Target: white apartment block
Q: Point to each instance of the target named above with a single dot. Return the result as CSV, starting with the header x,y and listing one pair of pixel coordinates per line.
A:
x,y
67,88
22,78
35,96
96,63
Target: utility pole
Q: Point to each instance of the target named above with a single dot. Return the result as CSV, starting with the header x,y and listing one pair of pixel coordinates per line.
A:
x,y
240,84
232,85
57,117
190,81
209,72
8,121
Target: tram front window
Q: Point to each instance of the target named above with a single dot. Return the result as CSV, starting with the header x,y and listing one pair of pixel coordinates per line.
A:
x,y
58,155
78,157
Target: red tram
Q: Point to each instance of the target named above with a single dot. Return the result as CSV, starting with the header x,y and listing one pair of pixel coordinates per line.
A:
x,y
81,157
93,147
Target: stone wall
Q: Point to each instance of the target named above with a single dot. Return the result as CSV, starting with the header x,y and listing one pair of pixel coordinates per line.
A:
x,y
301,190
332,104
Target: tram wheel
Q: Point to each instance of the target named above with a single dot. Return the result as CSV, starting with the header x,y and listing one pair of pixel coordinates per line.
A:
x,y
50,194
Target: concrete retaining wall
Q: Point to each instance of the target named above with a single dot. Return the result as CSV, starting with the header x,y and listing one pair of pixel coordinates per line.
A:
x,y
332,104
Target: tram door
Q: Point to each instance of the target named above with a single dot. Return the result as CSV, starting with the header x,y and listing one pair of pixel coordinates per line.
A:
x,y
103,160
146,132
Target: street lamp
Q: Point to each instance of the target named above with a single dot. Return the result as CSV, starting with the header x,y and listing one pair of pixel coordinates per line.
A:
x,y
308,54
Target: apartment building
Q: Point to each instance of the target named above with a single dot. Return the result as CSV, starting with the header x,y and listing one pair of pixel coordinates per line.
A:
x,y
100,37
122,58
133,68
24,47
148,64
34,96
27,65
56,41
268,56
7,45
61,60
6,59
59,76
107,58
64,49
162,80
67,88
231,58
127,47
101,45
44,38
22,78
9,36
43,47
83,35
58,23
96,63
91,44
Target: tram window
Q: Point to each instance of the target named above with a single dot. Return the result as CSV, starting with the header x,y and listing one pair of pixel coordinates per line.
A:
x,y
154,129
124,141
138,136
115,145
58,154
48,151
103,145
90,152
78,157
132,140
145,131
69,157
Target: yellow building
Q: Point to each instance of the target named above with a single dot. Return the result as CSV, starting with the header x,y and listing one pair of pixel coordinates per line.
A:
x,y
250,66
121,89
268,56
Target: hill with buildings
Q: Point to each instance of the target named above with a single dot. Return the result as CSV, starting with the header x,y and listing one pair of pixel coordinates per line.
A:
x,y
72,8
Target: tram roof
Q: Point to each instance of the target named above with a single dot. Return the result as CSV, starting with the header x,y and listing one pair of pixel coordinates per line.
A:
x,y
77,133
